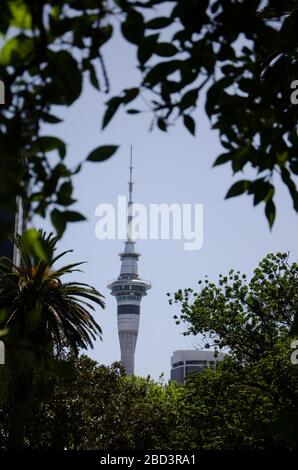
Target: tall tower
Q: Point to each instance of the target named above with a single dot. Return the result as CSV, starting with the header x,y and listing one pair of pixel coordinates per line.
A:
x,y
129,289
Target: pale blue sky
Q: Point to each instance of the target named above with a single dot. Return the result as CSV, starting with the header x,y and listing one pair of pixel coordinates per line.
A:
x,y
169,167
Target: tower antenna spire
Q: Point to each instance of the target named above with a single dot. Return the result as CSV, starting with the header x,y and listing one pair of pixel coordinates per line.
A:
x,y
130,184
130,203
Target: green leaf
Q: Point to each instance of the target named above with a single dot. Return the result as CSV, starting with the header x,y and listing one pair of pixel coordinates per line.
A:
x,y
71,216
270,212
16,50
294,167
64,194
162,124
133,111
66,78
165,49
51,119
133,27
93,77
147,47
4,332
36,245
113,105
20,14
130,94
223,158
241,157
262,190
162,70
189,99
159,23
46,144
58,221
189,124
102,153
238,188
286,177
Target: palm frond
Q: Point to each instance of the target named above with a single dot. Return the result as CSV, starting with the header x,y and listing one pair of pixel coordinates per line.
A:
x,y
55,259
68,269
64,308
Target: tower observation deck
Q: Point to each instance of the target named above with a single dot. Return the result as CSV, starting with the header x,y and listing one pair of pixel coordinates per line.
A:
x,y
129,289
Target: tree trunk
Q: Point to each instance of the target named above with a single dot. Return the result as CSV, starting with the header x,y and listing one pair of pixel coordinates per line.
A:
x,y
19,404
19,399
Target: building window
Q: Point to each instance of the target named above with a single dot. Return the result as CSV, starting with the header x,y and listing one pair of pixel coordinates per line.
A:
x,y
177,364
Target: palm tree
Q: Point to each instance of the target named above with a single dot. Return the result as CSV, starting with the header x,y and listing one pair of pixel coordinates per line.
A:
x,y
39,314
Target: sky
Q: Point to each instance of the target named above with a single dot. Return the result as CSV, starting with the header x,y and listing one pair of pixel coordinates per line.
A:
x,y
172,167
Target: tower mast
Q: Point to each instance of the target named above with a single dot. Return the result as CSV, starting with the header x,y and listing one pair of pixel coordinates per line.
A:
x,y
129,289
130,203
130,178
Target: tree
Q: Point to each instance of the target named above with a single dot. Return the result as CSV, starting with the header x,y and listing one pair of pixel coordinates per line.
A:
x,y
253,407
48,47
248,402
285,41
254,393
244,59
39,315
246,317
99,407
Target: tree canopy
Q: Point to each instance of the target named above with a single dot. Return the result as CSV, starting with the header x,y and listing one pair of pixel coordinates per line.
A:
x,y
241,55
248,402
247,317
255,321
48,47
39,317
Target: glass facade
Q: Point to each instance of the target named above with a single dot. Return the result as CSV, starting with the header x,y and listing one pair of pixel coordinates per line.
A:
x,y
128,309
182,369
128,297
6,246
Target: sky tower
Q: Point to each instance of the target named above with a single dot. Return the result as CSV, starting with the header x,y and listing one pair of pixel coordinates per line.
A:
x,y
129,289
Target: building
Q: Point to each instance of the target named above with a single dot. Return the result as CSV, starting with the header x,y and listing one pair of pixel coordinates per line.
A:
x,y
12,223
6,245
129,289
188,362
